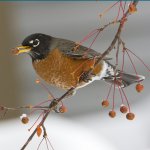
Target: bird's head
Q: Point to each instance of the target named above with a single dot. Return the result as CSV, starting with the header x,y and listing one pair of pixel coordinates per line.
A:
x,y
36,45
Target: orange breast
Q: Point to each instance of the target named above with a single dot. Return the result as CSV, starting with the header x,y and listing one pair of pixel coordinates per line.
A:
x,y
63,71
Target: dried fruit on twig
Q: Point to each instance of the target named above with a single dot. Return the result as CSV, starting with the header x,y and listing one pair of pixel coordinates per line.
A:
x,y
38,131
139,87
132,8
105,103
24,119
112,114
123,109
63,109
130,116
15,51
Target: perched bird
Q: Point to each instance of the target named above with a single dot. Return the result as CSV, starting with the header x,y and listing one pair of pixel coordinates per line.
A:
x,y
61,63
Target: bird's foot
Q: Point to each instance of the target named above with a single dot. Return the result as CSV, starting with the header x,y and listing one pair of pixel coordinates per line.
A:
x,y
54,104
85,76
56,110
70,94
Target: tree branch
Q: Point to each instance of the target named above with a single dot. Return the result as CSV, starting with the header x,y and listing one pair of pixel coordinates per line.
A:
x,y
55,102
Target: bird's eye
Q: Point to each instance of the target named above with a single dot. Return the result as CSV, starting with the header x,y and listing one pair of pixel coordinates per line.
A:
x,y
35,42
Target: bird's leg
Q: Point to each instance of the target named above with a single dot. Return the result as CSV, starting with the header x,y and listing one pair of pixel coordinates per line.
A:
x,y
70,94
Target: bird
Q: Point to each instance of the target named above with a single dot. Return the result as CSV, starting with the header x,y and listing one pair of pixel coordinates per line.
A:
x,y
63,63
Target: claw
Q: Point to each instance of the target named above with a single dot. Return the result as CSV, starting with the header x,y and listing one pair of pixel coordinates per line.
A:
x,y
56,110
85,77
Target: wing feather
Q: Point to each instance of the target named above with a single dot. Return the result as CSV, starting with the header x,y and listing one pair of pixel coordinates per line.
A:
x,y
67,47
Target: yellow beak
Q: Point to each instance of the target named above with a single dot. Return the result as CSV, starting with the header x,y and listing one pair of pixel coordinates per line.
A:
x,y
21,49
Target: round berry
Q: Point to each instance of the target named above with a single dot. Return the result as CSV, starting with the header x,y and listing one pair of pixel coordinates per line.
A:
x,y
63,109
38,131
139,87
123,109
25,120
105,103
130,116
15,51
112,114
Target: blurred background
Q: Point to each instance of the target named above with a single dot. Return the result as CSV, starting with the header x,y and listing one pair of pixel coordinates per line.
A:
x,y
73,20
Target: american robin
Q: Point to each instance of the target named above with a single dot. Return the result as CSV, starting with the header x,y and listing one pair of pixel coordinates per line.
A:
x,y
62,62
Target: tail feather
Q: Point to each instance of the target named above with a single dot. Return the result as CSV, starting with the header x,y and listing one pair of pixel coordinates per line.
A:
x,y
122,79
128,79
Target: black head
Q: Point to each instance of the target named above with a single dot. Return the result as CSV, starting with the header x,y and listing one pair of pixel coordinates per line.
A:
x,y
39,45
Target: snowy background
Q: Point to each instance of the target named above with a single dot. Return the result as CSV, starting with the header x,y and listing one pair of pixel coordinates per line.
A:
x,y
86,125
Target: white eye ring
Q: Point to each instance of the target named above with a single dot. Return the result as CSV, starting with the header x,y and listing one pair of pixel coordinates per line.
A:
x,y
38,42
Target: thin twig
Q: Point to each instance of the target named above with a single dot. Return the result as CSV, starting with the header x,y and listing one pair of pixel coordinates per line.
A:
x,y
52,105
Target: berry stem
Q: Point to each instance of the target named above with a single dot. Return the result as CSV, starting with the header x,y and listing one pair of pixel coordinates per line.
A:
x,y
36,120
108,8
41,103
124,7
40,143
123,58
139,59
46,144
132,63
120,94
47,90
88,36
91,44
118,13
126,99
109,91
50,144
114,90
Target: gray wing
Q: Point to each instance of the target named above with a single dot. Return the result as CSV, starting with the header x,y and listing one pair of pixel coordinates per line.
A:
x,y
67,47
